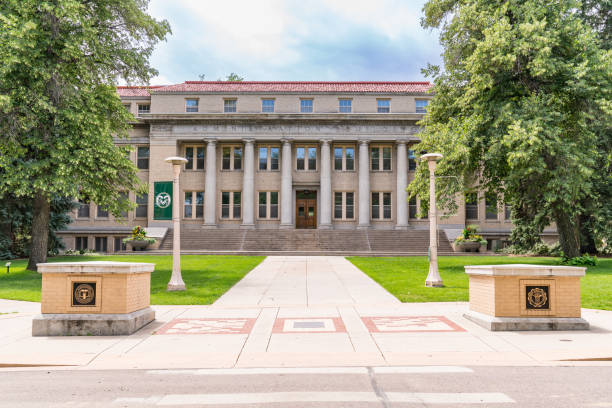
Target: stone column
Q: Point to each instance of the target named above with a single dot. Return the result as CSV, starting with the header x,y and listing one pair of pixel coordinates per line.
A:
x,y
248,184
402,183
364,185
326,193
286,185
210,185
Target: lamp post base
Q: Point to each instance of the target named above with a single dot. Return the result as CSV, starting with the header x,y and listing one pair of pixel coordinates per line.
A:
x,y
176,287
434,284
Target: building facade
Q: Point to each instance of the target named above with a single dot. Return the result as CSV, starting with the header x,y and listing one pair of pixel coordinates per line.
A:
x,y
278,155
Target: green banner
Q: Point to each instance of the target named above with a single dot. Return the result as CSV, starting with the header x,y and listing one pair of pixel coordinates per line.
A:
x,y
162,200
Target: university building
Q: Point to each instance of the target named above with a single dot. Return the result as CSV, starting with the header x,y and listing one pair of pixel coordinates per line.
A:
x,y
269,159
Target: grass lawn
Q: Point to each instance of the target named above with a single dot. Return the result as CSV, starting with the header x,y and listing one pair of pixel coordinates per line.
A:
x,y
405,277
207,277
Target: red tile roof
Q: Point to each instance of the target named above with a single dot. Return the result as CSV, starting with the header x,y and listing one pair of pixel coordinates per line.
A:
x,y
303,87
136,90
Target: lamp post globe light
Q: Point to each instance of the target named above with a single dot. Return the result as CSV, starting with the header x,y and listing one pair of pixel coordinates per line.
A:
x,y
176,280
433,278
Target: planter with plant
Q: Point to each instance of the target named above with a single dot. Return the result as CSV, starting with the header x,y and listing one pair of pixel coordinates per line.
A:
x,y
470,240
139,239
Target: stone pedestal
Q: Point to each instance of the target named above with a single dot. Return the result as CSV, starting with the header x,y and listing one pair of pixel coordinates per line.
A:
x,y
525,297
94,298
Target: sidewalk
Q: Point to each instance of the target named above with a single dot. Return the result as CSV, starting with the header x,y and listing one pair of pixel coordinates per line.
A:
x,y
304,312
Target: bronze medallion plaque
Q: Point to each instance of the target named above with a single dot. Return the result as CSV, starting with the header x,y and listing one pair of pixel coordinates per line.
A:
x,y
537,297
83,293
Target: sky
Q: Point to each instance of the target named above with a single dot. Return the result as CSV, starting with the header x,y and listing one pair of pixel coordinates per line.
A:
x,y
293,40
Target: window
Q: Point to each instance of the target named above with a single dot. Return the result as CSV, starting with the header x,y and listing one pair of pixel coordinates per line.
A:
x,y
230,204
124,197
194,204
144,108
306,162
80,243
421,105
229,105
344,158
269,157
507,212
379,211
83,211
412,208
381,158
142,205
101,244
267,105
268,204
232,158
412,161
344,206
490,206
142,161
195,157
306,105
102,212
119,244
191,105
384,105
345,105
471,206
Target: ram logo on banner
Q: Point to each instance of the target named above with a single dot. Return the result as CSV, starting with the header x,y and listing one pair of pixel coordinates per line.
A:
x,y
162,201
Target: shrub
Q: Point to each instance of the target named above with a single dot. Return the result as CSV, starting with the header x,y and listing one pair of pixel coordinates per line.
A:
x,y
585,259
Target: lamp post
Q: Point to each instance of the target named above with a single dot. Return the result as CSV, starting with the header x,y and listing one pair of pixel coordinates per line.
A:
x,y
433,278
176,280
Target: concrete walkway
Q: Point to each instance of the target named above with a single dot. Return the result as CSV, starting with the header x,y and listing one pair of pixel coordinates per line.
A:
x,y
304,312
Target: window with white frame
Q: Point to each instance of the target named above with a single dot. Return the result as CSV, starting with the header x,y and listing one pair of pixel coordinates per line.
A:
x,y
195,157
194,204
412,160
344,205
471,206
383,105
230,205
191,105
344,158
306,105
381,206
306,157
142,205
232,158
421,105
269,157
380,158
268,205
267,105
144,108
229,105
142,158
345,105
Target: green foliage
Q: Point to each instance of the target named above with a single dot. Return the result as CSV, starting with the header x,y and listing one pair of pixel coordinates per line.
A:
x,y
523,110
585,259
540,248
16,225
233,77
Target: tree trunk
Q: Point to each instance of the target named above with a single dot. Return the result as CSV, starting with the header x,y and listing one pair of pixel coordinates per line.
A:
x,y
40,230
569,234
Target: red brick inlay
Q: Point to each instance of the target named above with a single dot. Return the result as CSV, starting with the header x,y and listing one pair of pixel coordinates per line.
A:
x,y
208,326
309,325
410,324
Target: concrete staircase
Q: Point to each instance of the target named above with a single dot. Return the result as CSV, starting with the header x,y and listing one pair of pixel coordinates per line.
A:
x,y
312,242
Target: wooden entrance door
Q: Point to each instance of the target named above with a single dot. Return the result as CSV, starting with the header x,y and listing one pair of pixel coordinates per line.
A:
x,y
306,209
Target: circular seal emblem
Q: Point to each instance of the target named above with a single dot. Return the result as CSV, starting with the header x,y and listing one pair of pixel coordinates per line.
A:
x,y
84,293
537,297
163,200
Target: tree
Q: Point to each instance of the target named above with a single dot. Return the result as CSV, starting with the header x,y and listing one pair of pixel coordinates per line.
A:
x,y
59,109
524,84
233,77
